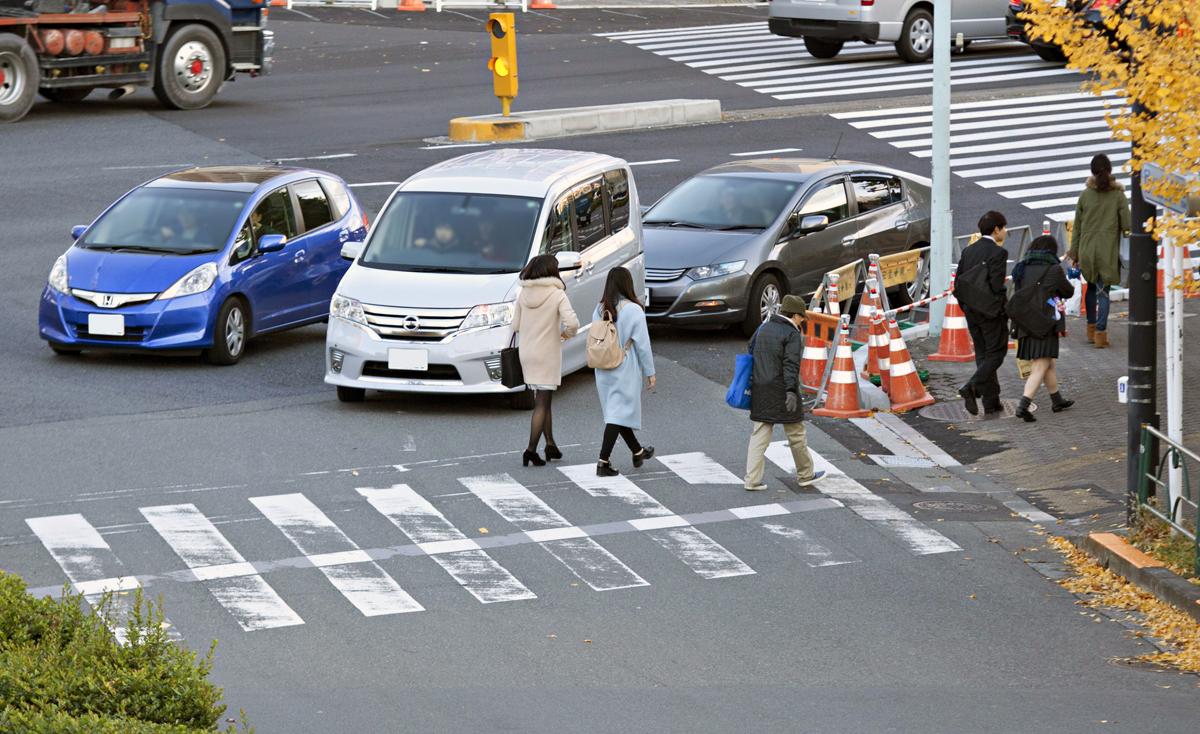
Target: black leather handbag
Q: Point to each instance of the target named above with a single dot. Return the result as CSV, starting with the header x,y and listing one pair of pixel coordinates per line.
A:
x,y
510,365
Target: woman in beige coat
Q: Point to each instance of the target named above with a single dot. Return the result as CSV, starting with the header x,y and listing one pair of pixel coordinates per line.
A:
x,y
543,318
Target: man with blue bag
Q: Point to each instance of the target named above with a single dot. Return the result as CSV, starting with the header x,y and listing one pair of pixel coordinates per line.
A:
x,y
775,393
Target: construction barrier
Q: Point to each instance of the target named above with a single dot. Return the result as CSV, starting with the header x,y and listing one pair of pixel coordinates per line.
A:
x,y
843,399
820,330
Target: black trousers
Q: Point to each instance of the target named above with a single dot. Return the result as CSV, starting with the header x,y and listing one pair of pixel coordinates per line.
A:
x,y
990,337
611,431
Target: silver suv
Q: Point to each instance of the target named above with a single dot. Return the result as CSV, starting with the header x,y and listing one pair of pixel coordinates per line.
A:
x,y
826,25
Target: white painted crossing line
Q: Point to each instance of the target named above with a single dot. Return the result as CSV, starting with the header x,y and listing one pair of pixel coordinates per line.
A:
x,y
90,565
918,537
656,162
244,594
582,556
697,550
351,571
774,151
916,439
698,468
461,557
814,553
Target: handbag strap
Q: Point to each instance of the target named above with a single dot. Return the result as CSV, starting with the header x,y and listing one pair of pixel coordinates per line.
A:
x,y
512,342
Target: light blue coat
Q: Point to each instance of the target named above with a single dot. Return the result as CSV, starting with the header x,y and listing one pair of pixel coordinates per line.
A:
x,y
621,388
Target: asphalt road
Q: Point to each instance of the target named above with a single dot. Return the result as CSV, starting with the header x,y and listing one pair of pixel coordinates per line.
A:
x,y
843,624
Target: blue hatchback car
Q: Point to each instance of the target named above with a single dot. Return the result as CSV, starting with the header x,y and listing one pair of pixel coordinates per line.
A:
x,y
203,259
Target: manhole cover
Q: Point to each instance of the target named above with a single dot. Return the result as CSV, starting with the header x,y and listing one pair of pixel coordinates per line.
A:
x,y
947,506
952,411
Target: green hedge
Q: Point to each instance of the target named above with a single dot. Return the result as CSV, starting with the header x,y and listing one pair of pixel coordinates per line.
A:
x,y
62,670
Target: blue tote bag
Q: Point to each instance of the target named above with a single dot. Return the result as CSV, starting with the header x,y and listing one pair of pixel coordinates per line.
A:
x,y
738,395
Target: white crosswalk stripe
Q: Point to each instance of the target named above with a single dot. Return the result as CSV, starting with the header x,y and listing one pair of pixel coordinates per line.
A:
x,y
583,556
351,570
233,582
748,54
815,554
1034,150
698,468
461,557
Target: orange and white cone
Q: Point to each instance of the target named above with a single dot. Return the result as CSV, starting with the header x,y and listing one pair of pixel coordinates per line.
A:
x,y
955,345
907,392
867,307
879,347
842,400
541,5
413,5
832,299
813,361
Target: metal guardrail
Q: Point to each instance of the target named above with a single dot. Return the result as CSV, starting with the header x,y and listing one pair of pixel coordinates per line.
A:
x,y
1174,457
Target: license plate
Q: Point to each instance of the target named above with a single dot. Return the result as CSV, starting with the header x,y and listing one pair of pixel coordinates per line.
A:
x,y
408,359
106,324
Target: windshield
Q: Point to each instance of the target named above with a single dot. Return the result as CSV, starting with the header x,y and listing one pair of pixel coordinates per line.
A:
x,y
170,220
723,202
453,233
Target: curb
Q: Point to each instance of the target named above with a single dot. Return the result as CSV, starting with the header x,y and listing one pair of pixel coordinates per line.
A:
x,y
568,121
1113,552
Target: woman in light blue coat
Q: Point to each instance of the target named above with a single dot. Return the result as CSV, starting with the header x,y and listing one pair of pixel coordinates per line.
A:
x,y
621,387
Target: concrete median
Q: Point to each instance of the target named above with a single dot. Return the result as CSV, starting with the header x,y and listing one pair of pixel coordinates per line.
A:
x,y
569,121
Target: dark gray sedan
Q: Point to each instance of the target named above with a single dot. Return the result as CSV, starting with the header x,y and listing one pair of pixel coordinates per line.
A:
x,y
726,245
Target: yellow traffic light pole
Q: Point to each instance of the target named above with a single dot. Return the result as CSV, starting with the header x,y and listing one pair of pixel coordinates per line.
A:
x,y
502,30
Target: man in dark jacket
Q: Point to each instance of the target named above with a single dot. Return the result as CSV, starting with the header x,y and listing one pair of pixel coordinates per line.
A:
x,y
775,393
979,288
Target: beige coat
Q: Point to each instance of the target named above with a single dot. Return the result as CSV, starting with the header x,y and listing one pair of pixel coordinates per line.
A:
x,y
541,315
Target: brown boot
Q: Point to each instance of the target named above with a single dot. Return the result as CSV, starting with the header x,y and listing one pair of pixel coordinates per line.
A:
x,y
1091,337
1101,340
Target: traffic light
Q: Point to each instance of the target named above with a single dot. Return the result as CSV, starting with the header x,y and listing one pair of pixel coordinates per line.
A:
x,y
503,32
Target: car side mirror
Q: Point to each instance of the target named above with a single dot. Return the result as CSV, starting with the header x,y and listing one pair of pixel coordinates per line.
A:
x,y
78,230
271,243
567,260
813,223
351,250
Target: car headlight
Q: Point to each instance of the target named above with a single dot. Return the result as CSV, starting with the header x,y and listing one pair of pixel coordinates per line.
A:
x,y
58,274
197,281
488,315
716,271
348,309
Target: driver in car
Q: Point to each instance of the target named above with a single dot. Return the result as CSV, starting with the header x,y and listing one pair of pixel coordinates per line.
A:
x,y
187,230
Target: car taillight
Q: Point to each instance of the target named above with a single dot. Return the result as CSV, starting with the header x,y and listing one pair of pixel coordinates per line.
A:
x,y
868,3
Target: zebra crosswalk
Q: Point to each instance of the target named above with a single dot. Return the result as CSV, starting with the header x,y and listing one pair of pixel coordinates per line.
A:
x,y
749,55
1033,150
372,579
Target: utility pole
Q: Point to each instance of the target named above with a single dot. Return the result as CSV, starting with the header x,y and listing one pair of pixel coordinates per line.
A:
x,y
1143,334
941,216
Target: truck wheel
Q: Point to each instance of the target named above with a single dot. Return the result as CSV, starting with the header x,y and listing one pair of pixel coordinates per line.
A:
x,y
19,77
821,48
191,67
70,94
916,37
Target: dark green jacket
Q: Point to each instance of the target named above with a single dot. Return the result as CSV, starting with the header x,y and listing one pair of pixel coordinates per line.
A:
x,y
1101,218
776,350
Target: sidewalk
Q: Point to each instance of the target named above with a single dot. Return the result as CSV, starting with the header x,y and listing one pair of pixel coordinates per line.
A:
x,y
1070,464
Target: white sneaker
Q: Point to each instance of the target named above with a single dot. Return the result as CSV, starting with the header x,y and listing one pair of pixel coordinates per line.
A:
x,y
755,487
816,477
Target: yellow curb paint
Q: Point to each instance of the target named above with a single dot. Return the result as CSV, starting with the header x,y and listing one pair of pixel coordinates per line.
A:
x,y
472,130
1131,555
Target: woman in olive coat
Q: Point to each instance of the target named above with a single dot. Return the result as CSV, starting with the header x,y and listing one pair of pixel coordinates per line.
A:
x,y
1101,218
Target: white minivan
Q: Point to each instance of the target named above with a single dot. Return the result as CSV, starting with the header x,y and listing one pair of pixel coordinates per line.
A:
x,y
427,303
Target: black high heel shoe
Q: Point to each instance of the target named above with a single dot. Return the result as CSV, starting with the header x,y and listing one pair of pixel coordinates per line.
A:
x,y
531,456
642,456
552,452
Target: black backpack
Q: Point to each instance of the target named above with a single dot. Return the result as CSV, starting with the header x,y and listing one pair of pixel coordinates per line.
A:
x,y
973,291
1029,308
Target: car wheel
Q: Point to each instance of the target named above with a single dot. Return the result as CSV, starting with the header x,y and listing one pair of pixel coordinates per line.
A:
x,y
916,37
351,394
19,76
230,334
68,95
521,400
766,295
821,48
66,351
191,67
1053,54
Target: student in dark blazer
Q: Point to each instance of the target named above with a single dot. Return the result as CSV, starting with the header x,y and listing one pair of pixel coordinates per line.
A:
x,y
984,308
1041,265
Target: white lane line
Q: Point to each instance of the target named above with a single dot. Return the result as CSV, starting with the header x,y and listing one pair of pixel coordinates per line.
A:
x,y
461,557
698,468
193,537
1068,188
765,152
622,35
1004,113
374,183
330,157
1065,164
1054,140
1003,134
994,123
1033,154
815,554
89,564
656,162
708,558
984,104
831,77
914,437
919,538
959,80
455,145
352,572
584,557
659,46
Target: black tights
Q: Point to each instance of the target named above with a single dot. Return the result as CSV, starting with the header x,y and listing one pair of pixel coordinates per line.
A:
x,y
542,423
611,431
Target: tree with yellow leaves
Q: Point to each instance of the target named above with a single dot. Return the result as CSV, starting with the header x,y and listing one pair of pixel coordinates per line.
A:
x,y
1147,53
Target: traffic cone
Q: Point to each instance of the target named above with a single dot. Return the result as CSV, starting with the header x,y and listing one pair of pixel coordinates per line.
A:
x,y
813,361
955,345
879,362
541,5
907,392
1160,291
413,5
867,306
842,399
832,298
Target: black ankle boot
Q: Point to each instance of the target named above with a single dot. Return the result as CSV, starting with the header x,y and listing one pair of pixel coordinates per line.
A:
x,y
604,469
642,456
552,452
1023,410
531,457
1059,402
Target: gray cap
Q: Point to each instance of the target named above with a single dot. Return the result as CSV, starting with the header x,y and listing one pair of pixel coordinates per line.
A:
x,y
792,305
